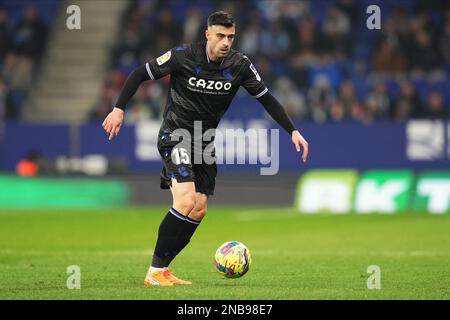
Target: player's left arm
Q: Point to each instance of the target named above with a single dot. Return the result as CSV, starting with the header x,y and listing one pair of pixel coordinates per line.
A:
x,y
277,112
256,87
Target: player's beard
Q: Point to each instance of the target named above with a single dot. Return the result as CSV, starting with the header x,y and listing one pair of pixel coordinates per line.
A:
x,y
222,54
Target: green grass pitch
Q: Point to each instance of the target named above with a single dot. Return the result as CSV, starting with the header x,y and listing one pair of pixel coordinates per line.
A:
x,y
294,256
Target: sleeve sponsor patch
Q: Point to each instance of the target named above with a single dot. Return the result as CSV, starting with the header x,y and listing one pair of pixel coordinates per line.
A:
x,y
164,58
252,67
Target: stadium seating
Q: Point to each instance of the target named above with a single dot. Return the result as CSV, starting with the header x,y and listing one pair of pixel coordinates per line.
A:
x,y
355,64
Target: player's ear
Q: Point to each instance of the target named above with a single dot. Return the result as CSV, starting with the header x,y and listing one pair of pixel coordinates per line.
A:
x,y
207,34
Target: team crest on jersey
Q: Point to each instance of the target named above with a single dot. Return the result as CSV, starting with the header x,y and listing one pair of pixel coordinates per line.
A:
x,y
227,74
164,58
255,72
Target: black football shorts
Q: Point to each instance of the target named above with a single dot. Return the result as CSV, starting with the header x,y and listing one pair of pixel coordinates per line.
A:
x,y
178,164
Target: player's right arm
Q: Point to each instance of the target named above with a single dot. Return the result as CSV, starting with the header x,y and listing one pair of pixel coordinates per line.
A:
x,y
114,120
155,69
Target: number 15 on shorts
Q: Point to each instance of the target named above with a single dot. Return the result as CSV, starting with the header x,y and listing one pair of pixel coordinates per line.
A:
x,y
180,156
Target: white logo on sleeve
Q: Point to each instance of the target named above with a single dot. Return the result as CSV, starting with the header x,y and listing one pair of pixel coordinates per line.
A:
x,y
164,58
252,67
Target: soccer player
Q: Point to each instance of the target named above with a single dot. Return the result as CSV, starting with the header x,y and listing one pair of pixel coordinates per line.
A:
x,y
205,77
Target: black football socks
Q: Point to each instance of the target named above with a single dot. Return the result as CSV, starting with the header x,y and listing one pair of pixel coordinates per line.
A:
x,y
174,234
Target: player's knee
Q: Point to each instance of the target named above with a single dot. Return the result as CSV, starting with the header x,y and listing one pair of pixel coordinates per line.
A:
x,y
185,203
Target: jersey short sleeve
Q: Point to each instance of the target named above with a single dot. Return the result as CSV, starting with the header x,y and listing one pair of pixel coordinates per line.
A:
x,y
165,64
252,81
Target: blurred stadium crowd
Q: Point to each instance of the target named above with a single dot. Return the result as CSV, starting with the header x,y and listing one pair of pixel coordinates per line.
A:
x,y
317,57
24,28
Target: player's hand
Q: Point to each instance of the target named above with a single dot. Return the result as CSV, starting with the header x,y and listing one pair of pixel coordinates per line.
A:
x,y
113,122
299,141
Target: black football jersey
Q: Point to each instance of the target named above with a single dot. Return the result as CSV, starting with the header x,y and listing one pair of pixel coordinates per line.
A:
x,y
200,89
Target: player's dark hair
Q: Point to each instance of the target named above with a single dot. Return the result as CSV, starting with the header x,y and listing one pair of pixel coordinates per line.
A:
x,y
221,18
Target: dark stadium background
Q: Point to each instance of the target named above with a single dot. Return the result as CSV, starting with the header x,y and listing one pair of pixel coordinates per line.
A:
x,y
352,91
